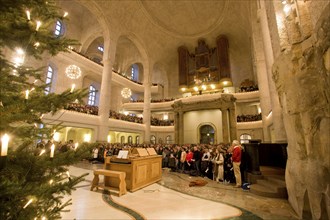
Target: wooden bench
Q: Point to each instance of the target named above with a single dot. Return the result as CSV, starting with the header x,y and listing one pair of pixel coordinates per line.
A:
x,y
121,190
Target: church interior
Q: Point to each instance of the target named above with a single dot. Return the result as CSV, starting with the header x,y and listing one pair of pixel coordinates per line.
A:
x,y
166,73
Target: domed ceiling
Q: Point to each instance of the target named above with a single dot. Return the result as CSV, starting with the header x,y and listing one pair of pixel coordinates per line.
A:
x,y
185,18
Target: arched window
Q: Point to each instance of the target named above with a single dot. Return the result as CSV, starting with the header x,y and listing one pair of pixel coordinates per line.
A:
x,y
153,139
49,79
137,140
130,140
92,95
244,138
58,28
122,139
168,139
100,48
135,72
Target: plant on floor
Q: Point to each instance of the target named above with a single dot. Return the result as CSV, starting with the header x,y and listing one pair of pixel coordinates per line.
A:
x,y
33,177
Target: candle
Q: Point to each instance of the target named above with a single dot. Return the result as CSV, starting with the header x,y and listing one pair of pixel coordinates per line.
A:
x,y
65,14
38,25
28,203
27,94
4,144
42,152
28,15
72,87
52,149
75,146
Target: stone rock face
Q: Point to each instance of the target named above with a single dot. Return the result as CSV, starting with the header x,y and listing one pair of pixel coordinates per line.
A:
x,y
302,82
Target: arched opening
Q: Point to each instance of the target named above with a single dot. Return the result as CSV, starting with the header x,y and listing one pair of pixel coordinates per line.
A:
x,y
137,140
206,134
130,140
244,138
122,139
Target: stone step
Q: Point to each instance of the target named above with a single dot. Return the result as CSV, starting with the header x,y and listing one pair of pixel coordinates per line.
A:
x,y
280,180
266,191
270,184
272,170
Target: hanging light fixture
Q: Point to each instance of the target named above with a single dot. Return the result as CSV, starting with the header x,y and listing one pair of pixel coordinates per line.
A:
x,y
126,93
73,72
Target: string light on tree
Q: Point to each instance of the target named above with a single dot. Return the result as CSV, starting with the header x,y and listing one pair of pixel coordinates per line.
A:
x,y
42,152
72,88
4,145
27,92
38,25
52,150
28,203
28,15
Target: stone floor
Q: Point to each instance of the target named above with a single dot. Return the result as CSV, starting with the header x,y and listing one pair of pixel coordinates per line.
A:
x,y
172,198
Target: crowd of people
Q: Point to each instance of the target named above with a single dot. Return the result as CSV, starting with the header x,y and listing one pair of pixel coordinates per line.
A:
x,y
120,116
220,163
88,109
248,88
93,110
155,100
247,118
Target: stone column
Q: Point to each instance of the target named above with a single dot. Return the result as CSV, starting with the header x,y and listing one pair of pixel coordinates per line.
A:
x,y
280,135
146,105
225,128
181,128
105,97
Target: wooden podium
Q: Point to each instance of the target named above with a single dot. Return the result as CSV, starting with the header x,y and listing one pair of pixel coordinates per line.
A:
x,y
142,169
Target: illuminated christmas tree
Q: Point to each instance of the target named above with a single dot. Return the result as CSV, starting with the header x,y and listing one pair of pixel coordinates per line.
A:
x,y
33,177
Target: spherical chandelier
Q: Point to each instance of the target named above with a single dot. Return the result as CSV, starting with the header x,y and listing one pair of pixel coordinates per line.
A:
x,y
73,72
126,93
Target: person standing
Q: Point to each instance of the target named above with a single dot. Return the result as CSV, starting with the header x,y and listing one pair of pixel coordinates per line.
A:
x,y
236,158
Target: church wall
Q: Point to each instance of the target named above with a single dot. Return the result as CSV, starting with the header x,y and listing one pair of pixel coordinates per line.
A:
x,y
193,119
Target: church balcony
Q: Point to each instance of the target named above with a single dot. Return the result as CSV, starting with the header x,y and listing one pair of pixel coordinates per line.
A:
x,y
166,106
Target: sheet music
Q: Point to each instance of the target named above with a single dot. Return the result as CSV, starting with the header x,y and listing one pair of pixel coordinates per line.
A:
x,y
123,154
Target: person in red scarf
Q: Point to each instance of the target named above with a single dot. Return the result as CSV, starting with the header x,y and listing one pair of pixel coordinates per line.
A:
x,y
236,158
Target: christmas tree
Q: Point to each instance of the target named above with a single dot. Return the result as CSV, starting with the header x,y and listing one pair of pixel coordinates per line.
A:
x,y
33,178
